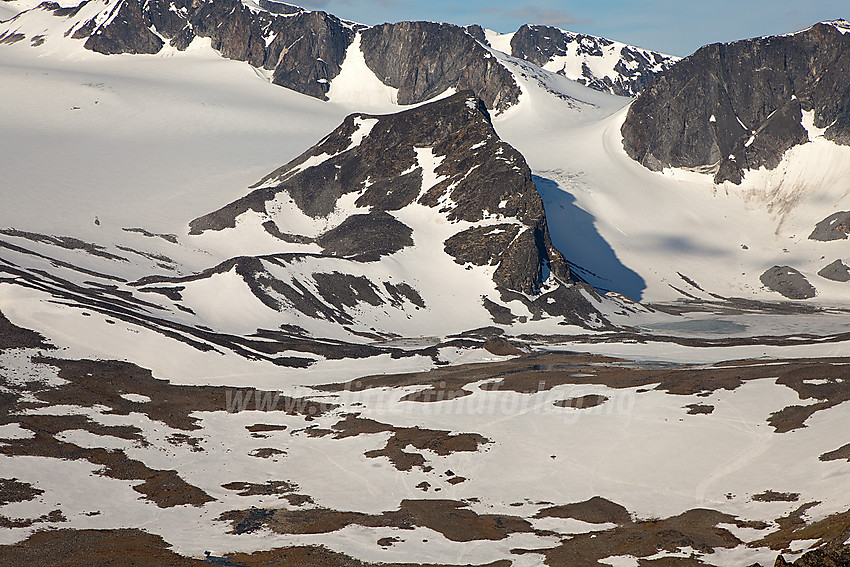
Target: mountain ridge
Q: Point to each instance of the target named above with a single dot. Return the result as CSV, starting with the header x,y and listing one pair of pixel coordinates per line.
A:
x,y
594,61
304,49
377,354
357,190
739,106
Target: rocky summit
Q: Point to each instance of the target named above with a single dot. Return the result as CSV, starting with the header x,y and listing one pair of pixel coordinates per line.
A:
x,y
739,106
304,50
601,64
363,179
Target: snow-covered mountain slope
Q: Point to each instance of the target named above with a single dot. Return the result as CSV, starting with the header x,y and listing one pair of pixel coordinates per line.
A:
x,y
111,234
188,127
9,10
299,49
676,234
110,101
601,64
387,224
304,50
268,39
238,395
736,107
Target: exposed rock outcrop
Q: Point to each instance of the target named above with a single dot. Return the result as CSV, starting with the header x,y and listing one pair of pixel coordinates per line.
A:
x,y
303,49
787,281
736,106
836,271
424,59
601,64
126,32
830,555
367,236
477,32
379,159
834,227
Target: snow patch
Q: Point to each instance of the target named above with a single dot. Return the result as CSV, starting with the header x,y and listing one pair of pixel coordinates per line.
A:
x,y
364,126
137,398
808,123
358,87
499,41
15,431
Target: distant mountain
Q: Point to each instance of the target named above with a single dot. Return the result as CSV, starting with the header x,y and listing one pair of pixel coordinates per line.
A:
x,y
601,64
424,59
304,50
732,107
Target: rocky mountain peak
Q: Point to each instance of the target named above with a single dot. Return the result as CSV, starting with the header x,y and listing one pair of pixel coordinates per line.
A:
x,y
444,156
732,107
280,7
601,64
840,24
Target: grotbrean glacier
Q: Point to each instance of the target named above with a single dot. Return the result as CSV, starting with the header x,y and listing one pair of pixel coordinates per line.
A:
x,y
278,288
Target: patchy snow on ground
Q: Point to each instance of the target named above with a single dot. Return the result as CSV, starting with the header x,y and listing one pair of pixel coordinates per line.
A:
x,y
96,145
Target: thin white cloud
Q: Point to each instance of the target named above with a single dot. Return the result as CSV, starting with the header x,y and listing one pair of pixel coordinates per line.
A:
x,y
532,14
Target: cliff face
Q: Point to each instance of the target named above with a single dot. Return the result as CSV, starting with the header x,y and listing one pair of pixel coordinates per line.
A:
x,y
732,107
303,49
601,64
423,59
126,32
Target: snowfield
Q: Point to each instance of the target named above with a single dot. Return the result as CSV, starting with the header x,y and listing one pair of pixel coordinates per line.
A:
x,y
416,436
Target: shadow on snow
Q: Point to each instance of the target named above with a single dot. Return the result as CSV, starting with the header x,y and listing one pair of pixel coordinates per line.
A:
x,y
574,233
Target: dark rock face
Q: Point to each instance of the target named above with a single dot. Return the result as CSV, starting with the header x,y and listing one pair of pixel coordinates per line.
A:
x,y
634,69
833,554
401,292
376,156
500,245
500,314
126,32
481,245
834,227
308,52
836,271
345,290
737,106
423,59
392,194
787,281
303,49
367,236
8,38
477,32
279,7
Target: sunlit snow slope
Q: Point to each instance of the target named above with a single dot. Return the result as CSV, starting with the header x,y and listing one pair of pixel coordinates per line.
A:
x,y
254,305
675,234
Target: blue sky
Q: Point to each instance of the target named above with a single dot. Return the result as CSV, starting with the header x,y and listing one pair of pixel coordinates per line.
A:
x,y
677,27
